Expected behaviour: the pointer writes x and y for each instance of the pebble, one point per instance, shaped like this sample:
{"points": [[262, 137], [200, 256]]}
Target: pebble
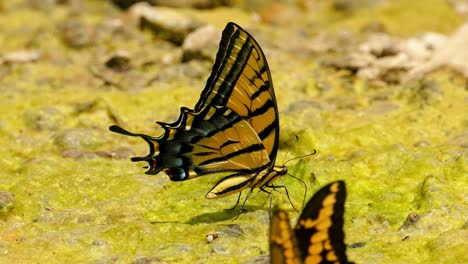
{"points": [[44, 119], [165, 23], [80, 139], [7, 202], [201, 44]]}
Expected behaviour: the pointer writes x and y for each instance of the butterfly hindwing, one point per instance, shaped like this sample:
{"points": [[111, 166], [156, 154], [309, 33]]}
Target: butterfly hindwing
{"points": [[318, 236]]}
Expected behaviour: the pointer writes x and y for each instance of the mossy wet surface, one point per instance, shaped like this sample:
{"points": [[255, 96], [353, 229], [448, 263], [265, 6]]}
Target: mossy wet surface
{"points": [[401, 149]]}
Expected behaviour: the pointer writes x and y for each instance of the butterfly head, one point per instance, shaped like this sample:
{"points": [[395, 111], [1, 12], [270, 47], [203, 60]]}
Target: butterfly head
{"points": [[280, 170]]}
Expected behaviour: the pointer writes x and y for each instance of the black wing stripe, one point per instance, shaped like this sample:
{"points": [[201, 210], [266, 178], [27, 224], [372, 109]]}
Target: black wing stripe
{"points": [[262, 109], [229, 142], [233, 75], [262, 89], [227, 66], [267, 131], [223, 52], [247, 150]]}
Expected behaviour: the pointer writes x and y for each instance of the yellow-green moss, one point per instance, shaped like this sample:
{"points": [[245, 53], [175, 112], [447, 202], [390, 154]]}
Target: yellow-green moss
{"points": [[397, 157]]}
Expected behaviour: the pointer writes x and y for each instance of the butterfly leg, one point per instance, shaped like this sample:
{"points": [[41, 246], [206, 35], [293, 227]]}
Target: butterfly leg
{"points": [[243, 204], [269, 197], [237, 203], [274, 187]]}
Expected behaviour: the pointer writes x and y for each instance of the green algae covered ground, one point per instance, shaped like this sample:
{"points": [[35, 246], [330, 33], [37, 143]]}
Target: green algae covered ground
{"points": [[68, 192]]}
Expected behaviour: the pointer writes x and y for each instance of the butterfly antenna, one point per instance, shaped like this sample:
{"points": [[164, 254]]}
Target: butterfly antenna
{"points": [[303, 183], [289, 150], [300, 157]]}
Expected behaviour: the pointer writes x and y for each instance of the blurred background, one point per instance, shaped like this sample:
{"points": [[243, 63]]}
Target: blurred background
{"points": [[377, 87]]}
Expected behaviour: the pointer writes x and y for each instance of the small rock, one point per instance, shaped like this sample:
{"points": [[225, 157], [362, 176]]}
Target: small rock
{"points": [[449, 246], [382, 107], [44, 119], [258, 260], [118, 153], [220, 249], [344, 5], [124, 4], [146, 260], [433, 40], [232, 230], [168, 249], [374, 27], [277, 13], [76, 34], [380, 45], [120, 62], [416, 49], [424, 92], [341, 41], [421, 144], [433, 194], [165, 23], [460, 6], [193, 3], [357, 154], [77, 154], [460, 140], [20, 56], [302, 105], [352, 62], [212, 236], [99, 242], [201, 44], [410, 220], [453, 53], [357, 245], [7, 202], [193, 69], [43, 5], [80, 139]]}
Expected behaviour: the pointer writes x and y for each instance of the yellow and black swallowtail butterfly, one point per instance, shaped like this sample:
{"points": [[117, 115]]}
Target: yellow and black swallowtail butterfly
{"points": [[318, 236], [233, 128]]}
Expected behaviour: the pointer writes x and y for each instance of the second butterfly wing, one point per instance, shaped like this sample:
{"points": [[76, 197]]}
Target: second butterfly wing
{"points": [[318, 236]]}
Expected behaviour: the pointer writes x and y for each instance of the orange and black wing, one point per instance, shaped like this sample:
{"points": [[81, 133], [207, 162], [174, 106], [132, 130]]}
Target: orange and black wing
{"points": [[318, 237], [319, 230], [234, 126], [283, 248], [240, 80]]}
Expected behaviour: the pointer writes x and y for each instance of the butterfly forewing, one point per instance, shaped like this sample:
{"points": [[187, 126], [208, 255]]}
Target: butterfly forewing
{"points": [[241, 81]]}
